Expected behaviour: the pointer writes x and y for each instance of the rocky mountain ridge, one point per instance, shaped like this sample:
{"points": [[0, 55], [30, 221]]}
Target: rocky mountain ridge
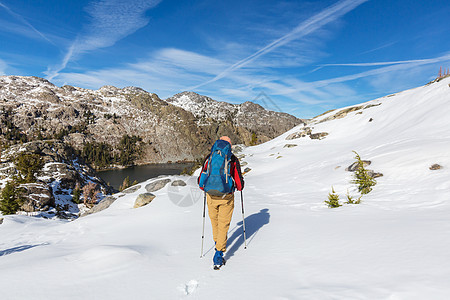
{"points": [[38, 109], [269, 125]]}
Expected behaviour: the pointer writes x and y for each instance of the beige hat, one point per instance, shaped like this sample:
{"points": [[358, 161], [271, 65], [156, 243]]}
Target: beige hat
{"points": [[225, 138]]}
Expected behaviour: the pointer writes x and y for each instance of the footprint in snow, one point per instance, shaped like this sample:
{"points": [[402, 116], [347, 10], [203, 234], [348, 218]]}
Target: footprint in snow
{"points": [[189, 288]]}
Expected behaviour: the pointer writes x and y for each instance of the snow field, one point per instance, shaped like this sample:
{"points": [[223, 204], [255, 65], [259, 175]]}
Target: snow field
{"points": [[394, 245]]}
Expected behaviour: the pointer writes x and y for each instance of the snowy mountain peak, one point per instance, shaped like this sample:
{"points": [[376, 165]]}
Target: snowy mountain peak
{"points": [[248, 114]]}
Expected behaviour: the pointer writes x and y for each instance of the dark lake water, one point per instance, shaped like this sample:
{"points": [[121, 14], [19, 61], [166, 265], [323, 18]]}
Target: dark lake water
{"points": [[141, 173]]}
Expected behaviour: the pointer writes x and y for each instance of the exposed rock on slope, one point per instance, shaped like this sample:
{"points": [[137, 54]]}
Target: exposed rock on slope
{"points": [[35, 109], [54, 182], [248, 115]]}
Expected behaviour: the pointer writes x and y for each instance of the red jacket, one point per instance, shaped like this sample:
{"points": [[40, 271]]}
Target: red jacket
{"points": [[235, 170]]}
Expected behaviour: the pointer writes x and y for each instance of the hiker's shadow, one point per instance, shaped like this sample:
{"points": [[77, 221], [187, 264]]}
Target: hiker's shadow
{"points": [[253, 224], [19, 249]]}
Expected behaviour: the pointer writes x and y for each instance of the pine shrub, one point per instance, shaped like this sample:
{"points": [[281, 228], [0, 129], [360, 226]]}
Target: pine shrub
{"points": [[362, 178], [352, 200], [333, 199], [10, 199], [76, 194], [125, 184], [28, 164]]}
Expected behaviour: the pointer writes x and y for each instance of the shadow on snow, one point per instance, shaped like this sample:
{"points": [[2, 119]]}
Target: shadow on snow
{"points": [[253, 224], [19, 249]]}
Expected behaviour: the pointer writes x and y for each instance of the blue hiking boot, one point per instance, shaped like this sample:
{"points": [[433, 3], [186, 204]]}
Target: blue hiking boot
{"points": [[218, 260]]}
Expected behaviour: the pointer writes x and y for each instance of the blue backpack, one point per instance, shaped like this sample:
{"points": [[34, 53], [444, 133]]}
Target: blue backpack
{"points": [[216, 180]]}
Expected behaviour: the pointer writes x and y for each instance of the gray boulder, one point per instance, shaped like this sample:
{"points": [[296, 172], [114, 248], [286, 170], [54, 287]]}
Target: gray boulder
{"points": [[156, 185], [143, 199], [374, 174], [178, 183], [102, 205], [435, 167], [37, 197], [236, 149], [131, 189], [318, 136], [302, 133]]}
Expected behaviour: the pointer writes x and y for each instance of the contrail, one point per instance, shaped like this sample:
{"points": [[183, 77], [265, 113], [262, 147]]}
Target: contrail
{"points": [[22, 19], [111, 21], [310, 25], [376, 64]]}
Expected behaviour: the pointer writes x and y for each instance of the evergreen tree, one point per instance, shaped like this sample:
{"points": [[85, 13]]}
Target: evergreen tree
{"points": [[129, 149], [352, 200], [333, 199], [362, 177], [28, 164], [76, 194], [254, 139], [10, 199], [125, 184]]}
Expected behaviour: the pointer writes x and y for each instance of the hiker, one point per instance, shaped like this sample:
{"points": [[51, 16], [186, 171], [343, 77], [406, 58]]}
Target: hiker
{"points": [[220, 177]]}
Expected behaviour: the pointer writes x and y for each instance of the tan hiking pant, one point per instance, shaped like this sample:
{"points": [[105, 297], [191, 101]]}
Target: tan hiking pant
{"points": [[220, 211]]}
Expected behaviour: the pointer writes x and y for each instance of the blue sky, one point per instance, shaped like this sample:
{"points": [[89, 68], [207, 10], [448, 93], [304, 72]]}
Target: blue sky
{"points": [[305, 56]]}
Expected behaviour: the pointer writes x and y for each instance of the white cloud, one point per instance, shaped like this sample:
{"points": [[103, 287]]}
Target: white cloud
{"points": [[169, 71], [371, 64], [22, 20], [167, 59], [3, 67], [110, 21], [306, 27]]}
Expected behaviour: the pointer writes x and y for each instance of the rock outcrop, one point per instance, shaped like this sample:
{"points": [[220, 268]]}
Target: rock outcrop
{"points": [[54, 181], [143, 199], [246, 118]]}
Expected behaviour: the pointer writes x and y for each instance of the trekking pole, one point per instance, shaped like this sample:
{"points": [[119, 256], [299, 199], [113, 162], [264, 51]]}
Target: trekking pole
{"points": [[203, 232], [243, 220]]}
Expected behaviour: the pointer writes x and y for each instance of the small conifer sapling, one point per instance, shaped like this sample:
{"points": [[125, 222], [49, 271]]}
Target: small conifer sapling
{"points": [[333, 199]]}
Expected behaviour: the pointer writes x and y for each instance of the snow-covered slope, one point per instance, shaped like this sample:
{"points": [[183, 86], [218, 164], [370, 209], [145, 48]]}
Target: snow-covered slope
{"points": [[394, 245]]}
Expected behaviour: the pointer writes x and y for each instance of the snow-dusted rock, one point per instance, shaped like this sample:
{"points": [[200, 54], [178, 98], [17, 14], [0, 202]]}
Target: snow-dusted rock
{"points": [[102, 205], [178, 183], [299, 134], [156, 185], [37, 197], [290, 145], [143, 199], [56, 179], [131, 189], [435, 167], [249, 115], [318, 135], [374, 174], [354, 166]]}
